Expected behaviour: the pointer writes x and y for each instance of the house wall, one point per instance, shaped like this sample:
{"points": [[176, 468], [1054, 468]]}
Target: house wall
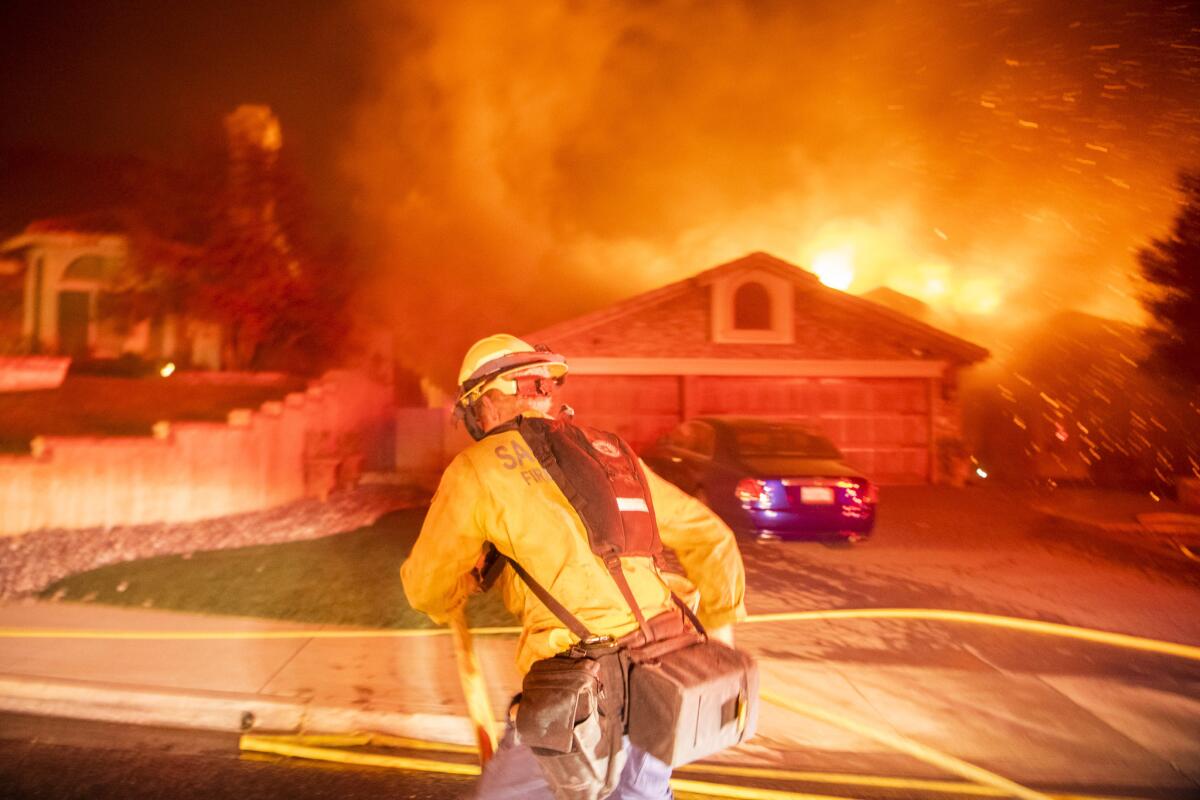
{"points": [[27, 373], [45, 267], [188, 471], [427, 439]]}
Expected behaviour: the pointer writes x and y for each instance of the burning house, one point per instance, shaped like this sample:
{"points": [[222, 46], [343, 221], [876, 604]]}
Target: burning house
{"points": [[761, 336]]}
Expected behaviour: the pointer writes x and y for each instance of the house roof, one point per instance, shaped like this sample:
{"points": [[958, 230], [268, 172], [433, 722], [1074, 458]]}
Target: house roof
{"points": [[833, 307], [897, 301], [60, 232]]}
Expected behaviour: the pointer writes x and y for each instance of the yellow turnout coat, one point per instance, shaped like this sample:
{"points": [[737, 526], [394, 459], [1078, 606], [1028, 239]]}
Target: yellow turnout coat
{"points": [[495, 491]]}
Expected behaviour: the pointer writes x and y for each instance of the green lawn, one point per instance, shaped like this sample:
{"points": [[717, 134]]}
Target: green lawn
{"points": [[88, 405], [348, 579]]}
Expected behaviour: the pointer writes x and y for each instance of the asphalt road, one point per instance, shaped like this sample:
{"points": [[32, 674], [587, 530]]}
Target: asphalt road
{"points": [[49, 759]]}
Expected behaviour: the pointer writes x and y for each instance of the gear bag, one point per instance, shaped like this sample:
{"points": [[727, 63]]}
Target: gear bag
{"points": [[682, 696]]}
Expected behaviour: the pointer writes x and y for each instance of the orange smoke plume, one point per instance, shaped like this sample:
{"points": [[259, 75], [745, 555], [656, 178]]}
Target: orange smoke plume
{"points": [[518, 164]]}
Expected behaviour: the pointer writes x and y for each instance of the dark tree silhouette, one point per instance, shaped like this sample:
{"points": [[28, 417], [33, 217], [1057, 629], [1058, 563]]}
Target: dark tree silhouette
{"points": [[1171, 266]]}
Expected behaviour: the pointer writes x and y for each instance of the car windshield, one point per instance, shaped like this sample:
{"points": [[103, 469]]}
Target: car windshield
{"points": [[782, 440]]}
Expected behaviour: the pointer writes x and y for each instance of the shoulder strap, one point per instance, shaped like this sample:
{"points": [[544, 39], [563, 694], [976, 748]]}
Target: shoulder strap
{"points": [[613, 562], [691, 615], [578, 628], [558, 609]]}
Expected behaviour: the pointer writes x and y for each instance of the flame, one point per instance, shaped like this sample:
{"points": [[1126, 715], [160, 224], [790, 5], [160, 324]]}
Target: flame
{"points": [[835, 268], [978, 296]]}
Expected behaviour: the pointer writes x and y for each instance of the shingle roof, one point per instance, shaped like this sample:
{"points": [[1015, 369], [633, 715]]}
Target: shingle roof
{"points": [[677, 312]]}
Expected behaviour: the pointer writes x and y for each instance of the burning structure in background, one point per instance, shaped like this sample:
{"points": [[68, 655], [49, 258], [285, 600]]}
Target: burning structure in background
{"points": [[995, 160], [1067, 402]]}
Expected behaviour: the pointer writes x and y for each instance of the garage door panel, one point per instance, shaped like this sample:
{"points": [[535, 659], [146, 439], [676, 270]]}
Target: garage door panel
{"points": [[861, 459]]}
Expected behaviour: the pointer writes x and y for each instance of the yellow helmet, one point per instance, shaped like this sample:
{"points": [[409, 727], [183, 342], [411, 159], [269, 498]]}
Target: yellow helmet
{"points": [[498, 361]]}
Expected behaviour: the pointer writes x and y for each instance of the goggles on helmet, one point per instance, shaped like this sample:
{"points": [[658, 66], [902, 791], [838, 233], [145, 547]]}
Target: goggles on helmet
{"points": [[507, 367]]}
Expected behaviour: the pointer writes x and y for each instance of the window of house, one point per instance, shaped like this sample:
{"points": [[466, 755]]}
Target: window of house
{"points": [[752, 307], [89, 268]]}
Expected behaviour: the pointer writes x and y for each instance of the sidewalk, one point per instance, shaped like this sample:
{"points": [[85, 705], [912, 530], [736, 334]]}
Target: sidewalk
{"points": [[1059, 730]]}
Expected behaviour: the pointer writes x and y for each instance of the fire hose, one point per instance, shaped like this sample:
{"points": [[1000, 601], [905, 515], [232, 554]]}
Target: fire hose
{"points": [[980, 782]]}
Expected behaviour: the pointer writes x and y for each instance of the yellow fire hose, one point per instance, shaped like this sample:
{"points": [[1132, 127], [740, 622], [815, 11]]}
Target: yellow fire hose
{"points": [[1123, 640], [325, 747], [994, 620]]}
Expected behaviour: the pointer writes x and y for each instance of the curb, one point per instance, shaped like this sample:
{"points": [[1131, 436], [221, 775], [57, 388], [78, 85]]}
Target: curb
{"points": [[1092, 524], [215, 711], [1169, 547]]}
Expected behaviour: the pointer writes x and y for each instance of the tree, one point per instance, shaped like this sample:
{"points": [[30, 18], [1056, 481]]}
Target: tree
{"points": [[1171, 266], [278, 288]]}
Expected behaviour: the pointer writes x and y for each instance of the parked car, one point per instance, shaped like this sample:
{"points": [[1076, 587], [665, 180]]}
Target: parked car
{"points": [[770, 478]]}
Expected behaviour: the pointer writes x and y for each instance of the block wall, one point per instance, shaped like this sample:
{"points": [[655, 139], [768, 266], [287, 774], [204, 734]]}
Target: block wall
{"points": [[189, 471]]}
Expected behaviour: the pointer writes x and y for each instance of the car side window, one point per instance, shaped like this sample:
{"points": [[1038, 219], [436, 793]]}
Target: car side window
{"points": [[678, 438], [695, 437], [704, 440]]}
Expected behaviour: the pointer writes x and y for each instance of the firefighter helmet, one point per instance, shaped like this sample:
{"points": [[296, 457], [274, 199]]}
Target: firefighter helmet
{"points": [[508, 365]]}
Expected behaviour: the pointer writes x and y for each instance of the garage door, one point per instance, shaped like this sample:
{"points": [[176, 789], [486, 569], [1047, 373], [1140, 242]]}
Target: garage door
{"points": [[638, 408], [881, 424]]}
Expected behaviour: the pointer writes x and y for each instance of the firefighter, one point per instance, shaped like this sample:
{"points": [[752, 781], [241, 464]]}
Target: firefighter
{"points": [[496, 494]]}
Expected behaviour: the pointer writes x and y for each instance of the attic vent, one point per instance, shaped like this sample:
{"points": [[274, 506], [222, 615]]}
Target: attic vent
{"points": [[752, 307]]}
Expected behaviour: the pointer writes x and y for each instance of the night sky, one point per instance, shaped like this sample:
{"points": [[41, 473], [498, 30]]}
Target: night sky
{"points": [[153, 79], [510, 164]]}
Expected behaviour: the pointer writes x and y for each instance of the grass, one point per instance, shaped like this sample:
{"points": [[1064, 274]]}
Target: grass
{"points": [[348, 579], [87, 405]]}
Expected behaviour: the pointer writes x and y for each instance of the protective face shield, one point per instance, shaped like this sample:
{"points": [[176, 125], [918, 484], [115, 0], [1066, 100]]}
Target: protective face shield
{"points": [[508, 365]]}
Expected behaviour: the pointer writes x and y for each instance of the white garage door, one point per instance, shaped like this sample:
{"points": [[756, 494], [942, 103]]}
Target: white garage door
{"points": [[881, 424]]}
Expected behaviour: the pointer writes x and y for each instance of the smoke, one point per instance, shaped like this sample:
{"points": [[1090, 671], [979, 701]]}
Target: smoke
{"points": [[517, 164]]}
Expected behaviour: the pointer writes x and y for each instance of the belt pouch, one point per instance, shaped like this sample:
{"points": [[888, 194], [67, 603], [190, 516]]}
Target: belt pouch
{"points": [[558, 695], [570, 716]]}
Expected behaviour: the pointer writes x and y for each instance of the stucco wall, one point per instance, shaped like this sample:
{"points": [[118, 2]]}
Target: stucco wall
{"points": [[195, 470], [27, 373]]}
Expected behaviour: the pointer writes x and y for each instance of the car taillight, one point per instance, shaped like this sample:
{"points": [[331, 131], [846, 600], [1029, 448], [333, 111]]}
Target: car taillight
{"points": [[859, 491], [760, 493]]}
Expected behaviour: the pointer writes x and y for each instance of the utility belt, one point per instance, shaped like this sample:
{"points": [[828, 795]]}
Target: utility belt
{"points": [[678, 695]]}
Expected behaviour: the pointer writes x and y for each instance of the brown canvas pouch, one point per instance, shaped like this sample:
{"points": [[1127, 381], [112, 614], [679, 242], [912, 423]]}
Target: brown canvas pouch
{"points": [[557, 695], [570, 715]]}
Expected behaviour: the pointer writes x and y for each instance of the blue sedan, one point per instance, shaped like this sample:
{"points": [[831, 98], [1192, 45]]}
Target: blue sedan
{"points": [[769, 478]]}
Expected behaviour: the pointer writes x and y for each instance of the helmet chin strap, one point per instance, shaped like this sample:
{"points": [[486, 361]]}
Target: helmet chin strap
{"points": [[470, 420]]}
